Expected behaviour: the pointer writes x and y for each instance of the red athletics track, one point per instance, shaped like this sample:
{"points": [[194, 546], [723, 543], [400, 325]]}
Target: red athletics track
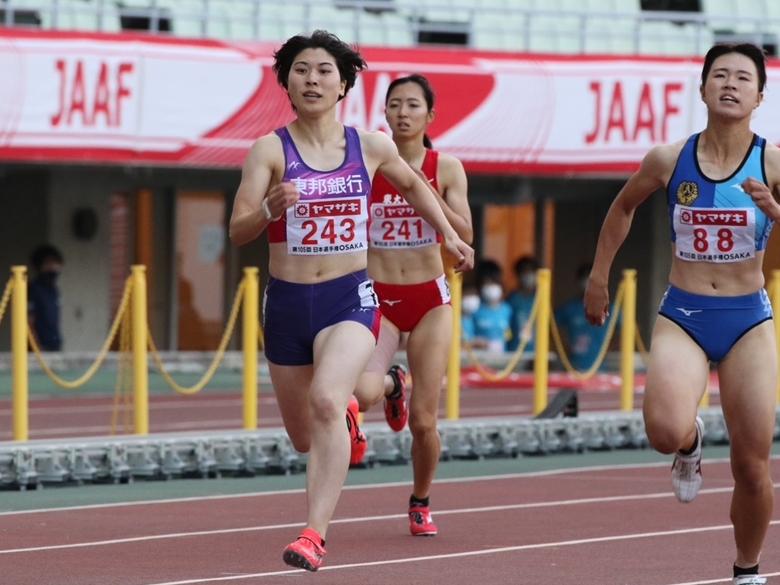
{"points": [[600, 525], [90, 415]]}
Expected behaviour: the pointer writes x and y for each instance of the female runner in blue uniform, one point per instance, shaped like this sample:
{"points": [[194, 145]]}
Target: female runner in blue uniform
{"points": [[307, 185], [722, 187]]}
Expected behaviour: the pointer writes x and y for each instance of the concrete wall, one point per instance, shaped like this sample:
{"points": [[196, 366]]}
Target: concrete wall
{"points": [[38, 205], [83, 282]]}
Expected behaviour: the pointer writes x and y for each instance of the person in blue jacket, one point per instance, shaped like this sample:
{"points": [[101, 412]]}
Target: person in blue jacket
{"points": [[43, 297], [582, 340], [492, 320]]}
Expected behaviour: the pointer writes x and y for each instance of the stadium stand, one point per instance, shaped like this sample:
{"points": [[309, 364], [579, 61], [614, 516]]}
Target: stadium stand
{"points": [[550, 26]]}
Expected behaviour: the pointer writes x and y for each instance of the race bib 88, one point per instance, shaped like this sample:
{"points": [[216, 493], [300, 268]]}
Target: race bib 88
{"points": [[715, 235]]}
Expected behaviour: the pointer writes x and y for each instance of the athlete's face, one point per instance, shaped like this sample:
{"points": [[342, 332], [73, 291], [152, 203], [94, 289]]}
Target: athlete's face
{"points": [[314, 82], [731, 87], [407, 111]]}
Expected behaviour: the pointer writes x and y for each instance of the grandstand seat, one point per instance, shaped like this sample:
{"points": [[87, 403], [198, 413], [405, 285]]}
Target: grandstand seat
{"points": [[396, 31], [556, 34], [659, 37], [752, 8], [569, 26], [608, 6], [499, 31], [277, 22], [139, 14], [328, 17], [604, 36], [756, 21], [26, 13], [506, 5], [719, 13], [773, 9], [369, 27], [750, 15], [236, 19], [82, 15], [719, 7]]}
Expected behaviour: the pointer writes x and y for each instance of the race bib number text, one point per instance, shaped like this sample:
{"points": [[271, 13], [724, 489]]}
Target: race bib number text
{"points": [[327, 226], [399, 226], [715, 235]]}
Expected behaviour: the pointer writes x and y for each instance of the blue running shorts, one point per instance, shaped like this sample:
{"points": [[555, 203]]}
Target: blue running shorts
{"points": [[294, 313], [715, 323]]}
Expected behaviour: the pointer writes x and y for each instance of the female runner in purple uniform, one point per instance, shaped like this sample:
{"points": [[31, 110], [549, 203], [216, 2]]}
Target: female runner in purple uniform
{"points": [[307, 185]]}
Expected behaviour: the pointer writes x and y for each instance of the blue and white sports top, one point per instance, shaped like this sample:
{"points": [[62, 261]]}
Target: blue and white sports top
{"points": [[716, 221]]}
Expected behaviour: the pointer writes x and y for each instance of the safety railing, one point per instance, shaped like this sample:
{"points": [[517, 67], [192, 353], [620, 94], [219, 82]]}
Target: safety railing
{"points": [[130, 328], [542, 318], [630, 340]]}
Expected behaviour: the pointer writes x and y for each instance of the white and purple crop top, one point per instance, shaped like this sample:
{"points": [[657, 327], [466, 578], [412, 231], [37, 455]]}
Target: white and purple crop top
{"points": [[331, 216]]}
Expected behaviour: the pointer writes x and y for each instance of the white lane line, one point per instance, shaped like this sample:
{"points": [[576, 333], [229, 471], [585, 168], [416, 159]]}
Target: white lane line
{"points": [[726, 580], [471, 479], [474, 553], [480, 510]]}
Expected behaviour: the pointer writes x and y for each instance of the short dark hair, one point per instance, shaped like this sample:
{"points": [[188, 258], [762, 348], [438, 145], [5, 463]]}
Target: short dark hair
{"points": [[43, 253], [526, 262], [749, 50], [487, 270], [348, 59]]}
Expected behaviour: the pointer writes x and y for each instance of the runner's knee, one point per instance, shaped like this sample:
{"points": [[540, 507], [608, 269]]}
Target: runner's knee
{"points": [[325, 409], [666, 437], [750, 473], [421, 423], [300, 443]]}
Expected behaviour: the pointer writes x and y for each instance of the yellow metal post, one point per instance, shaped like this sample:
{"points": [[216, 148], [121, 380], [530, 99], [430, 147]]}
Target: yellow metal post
{"points": [[628, 340], [249, 345], [542, 342], [452, 396], [705, 398], [774, 287], [139, 332], [19, 377]]}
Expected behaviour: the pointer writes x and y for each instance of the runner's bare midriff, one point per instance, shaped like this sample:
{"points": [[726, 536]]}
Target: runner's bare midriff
{"points": [[416, 265], [314, 268], [718, 279]]}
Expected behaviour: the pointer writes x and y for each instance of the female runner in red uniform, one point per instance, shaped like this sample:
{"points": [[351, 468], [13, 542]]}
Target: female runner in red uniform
{"points": [[405, 264]]}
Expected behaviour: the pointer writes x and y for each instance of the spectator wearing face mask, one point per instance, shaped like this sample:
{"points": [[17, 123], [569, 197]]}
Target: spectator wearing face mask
{"points": [[43, 297], [521, 300], [582, 340], [492, 320]]}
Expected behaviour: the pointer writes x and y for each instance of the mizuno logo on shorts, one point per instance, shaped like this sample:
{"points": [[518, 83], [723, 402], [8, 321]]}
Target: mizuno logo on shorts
{"points": [[688, 312], [391, 303]]}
